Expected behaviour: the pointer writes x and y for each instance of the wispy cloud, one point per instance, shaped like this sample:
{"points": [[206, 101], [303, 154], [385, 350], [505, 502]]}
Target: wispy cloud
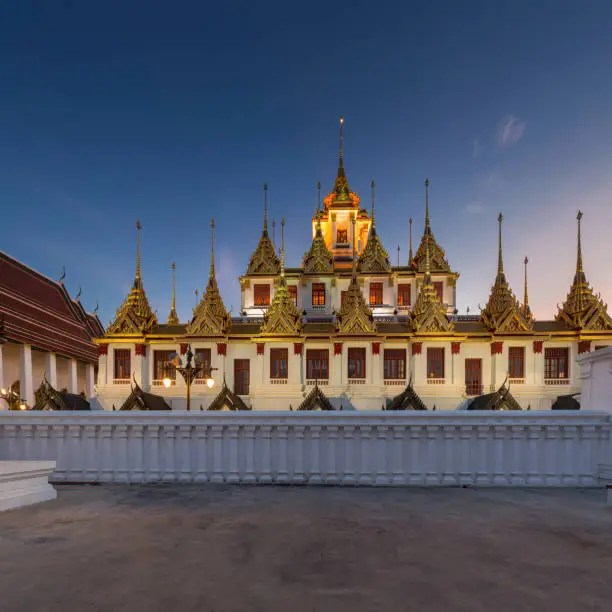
{"points": [[510, 131], [475, 208], [477, 148]]}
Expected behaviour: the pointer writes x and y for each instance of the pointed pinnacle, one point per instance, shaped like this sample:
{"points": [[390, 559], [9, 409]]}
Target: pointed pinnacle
{"points": [[500, 261]]}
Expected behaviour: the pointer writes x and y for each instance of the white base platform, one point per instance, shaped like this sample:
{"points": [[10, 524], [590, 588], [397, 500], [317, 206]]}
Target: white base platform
{"points": [[25, 482]]}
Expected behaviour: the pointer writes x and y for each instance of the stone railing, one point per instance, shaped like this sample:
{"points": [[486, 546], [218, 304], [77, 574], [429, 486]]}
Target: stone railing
{"points": [[367, 448]]}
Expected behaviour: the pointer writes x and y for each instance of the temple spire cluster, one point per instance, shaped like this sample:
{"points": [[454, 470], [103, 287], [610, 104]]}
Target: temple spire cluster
{"points": [[503, 313], [582, 309]]}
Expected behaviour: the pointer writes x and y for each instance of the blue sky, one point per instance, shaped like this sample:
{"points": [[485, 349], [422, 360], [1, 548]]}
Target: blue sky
{"points": [[172, 113]]}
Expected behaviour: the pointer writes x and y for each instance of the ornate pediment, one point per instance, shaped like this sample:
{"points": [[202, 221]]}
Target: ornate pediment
{"points": [[583, 309], [282, 317], [316, 400], [355, 317], [227, 400]]}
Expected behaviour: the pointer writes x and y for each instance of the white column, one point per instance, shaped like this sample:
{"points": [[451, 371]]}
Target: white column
{"points": [[3, 404], [89, 380], [102, 368], [25, 374], [51, 369], [72, 377]]}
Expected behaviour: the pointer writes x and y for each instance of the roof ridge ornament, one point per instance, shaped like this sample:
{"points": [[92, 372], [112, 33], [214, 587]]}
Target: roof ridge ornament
{"points": [[374, 258], [134, 316], [355, 317], [503, 313], [210, 318], [583, 309], [319, 259], [264, 259], [437, 255]]}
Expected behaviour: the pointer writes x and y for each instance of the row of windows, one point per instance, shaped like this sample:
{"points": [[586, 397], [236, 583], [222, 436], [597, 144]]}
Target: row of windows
{"points": [[556, 364], [261, 294]]}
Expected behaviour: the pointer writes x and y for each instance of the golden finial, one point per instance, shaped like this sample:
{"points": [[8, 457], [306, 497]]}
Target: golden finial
{"points": [[398, 255], [197, 294], [212, 247], [283, 247], [274, 232], [500, 261], [173, 316], [353, 221], [410, 251], [138, 228], [318, 197], [579, 269], [427, 278], [373, 186], [265, 208], [526, 298], [427, 224], [341, 156]]}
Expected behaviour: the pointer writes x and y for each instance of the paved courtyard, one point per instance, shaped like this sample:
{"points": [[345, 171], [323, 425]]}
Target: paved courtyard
{"points": [[217, 548]]}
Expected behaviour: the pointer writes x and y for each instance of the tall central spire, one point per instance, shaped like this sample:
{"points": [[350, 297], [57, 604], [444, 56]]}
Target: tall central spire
{"points": [[427, 222], [526, 297], [580, 276], [282, 270], [373, 186], [341, 150], [410, 251], [500, 259], [265, 227], [173, 316], [138, 276]]}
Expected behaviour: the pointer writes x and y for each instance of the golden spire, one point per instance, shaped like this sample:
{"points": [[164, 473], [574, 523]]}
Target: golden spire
{"points": [[355, 317], [503, 313], [526, 308], [283, 317], [410, 251], [429, 314], [173, 316], [210, 318], [134, 316], [264, 259], [582, 309], [318, 260], [374, 258], [438, 258]]}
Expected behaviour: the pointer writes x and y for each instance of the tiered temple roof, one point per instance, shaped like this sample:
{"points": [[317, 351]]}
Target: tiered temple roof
{"points": [[374, 258], [264, 259], [319, 259], [503, 313]]}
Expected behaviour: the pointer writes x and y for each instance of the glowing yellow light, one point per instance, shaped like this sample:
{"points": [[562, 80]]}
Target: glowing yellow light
{"points": [[341, 119], [22, 406], [3, 391], [167, 382], [210, 382]]}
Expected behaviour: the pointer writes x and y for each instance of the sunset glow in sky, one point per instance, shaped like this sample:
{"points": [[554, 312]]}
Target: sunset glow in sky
{"points": [[173, 113]]}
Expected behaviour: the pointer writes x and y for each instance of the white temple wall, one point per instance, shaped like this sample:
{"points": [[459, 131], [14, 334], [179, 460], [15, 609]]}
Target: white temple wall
{"points": [[596, 376]]}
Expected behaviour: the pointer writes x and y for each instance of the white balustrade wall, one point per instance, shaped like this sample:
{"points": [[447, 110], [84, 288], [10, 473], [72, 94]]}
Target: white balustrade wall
{"points": [[361, 448]]}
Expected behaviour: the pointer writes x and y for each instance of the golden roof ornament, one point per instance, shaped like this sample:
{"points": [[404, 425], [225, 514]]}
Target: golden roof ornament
{"points": [[210, 317], [429, 314], [374, 258], [437, 256], [341, 195], [355, 317], [582, 309], [172, 315], [264, 260], [503, 313], [526, 309], [319, 259], [282, 317], [134, 316]]}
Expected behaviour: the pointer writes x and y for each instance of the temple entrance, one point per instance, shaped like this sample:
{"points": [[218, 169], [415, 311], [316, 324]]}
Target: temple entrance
{"points": [[473, 376]]}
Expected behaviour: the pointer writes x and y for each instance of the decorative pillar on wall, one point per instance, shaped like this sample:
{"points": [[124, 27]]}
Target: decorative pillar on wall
{"points": [[51, 369], [102, 363], [73, 385], [497, 349], [140, 365], [455, 350], [417, 368], [538, 362], [25, 374], [89, 380], [339, 375]]}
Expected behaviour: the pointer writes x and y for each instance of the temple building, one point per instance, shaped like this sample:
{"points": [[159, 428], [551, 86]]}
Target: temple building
{"points": [[348, 330], [48, 359]]}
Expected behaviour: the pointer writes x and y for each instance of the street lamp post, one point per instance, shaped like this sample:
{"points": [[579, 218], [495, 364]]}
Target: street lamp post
{"points": [[190, 371]]}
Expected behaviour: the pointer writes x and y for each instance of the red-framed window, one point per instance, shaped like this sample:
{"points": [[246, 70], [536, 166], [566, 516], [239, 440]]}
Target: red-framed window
{"points": [[394, 362], [376, 294], [356, 362], [318, 294], [203, 357], [279, 362], [261, 294], [162, 368], [293, 293], [556, 363], [473, 377], [404, 295], [516, 362], [317, 364], [123, 363], [439, 287], [435, 362], [242, 372]]}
